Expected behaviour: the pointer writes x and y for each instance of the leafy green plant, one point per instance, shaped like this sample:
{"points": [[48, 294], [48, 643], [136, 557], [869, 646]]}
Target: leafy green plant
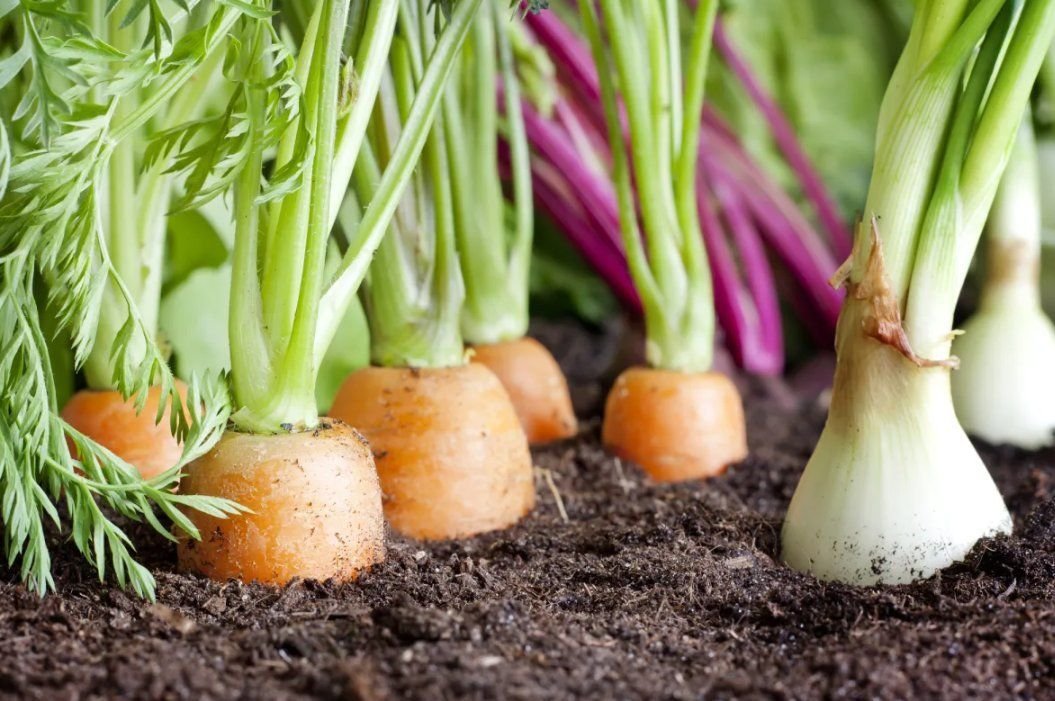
{"points": [[68, 225]]}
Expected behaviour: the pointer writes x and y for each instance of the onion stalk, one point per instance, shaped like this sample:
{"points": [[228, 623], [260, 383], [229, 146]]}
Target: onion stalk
{"points": [[894, 490]]}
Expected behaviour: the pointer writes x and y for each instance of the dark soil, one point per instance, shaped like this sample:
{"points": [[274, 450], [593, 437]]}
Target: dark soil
{"points": [[612, 589]]}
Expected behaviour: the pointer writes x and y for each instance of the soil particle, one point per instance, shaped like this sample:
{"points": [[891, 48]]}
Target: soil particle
{"points": [[627, 590]]}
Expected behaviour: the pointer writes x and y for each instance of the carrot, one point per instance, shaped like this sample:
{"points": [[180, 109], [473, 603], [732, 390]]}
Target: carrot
{"points": [[451, 455], [110, 420], [536, 386], [676, 425], [315, 507]]}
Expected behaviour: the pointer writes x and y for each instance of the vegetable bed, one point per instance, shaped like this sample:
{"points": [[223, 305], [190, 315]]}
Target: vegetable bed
{"points": [[643, 591]]}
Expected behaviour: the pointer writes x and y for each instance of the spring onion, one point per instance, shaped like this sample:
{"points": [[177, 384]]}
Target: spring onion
{"points": [[1003, 389], [894, 490]]}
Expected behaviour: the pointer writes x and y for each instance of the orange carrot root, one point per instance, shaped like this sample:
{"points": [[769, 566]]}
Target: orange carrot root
{"points": [[315, 502], [677, 426], [110, 420], [536, 386], [451, 454]]}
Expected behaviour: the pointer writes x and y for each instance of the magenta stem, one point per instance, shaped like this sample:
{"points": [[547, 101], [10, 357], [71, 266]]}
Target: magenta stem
{"points": [[788, 143], [762, 299]]}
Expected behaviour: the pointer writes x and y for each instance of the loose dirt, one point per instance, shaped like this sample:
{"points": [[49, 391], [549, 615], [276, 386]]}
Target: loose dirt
{"points": [[613, 588]]}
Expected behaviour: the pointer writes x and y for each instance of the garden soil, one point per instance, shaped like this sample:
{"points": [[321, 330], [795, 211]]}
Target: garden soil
{"points": [[614, 588]]}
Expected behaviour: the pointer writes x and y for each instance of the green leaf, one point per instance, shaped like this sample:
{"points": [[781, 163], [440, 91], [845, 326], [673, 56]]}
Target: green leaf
{"points": [[802, 52], [10, 66], [6, 6], [562, 284], [54, 271], [194, 320], [192, 243], [250, 9], [5, 158]]}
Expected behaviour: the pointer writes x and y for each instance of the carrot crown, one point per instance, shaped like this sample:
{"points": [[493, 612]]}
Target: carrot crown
{"points": [[637, 48], [416, 294], [314, 114], [494, 235]]}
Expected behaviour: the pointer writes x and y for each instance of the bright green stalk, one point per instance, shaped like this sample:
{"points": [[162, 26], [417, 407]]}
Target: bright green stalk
{"points": [[251, 358], [123, 236], [65, 228], [663, 113], [137, 202], [944, 253], [414, 293], [699, 316], [911, 131], [136, 243], [520, 165], [288, 395], [372, 48], [282, 315], [382, 206], [495, 260]]}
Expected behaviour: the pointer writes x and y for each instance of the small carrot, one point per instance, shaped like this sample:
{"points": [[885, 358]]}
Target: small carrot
{"points": [[676, 425], [677, 418], [494, 225], [451, 454], [110, 420], [536, 386], [314, 501]]}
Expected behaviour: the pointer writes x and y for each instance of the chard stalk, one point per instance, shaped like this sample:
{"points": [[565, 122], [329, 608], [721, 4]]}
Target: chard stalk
{"points": [[784, 135], [573, 177]]}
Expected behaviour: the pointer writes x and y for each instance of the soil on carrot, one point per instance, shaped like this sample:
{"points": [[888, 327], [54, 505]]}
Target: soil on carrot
{"points": [[612, 589]]}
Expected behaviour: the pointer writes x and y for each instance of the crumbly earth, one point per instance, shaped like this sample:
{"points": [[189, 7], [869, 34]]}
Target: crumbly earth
{"points": [[612, 589]]}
